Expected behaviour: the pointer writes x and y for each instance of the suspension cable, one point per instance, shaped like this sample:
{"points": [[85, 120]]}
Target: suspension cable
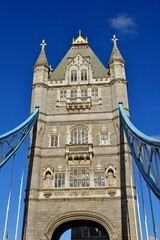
{"points": [[20, 193], [132, 193], [154, 227], [9, 197], [139, 216], [144, 212]]}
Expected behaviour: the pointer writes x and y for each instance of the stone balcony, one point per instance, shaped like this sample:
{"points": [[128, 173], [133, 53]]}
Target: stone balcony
{"points": [[78, 103], [79, 154]]}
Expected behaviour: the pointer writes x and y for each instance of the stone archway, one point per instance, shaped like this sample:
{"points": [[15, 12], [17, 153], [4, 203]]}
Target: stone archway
{"points": [[80, 216]]}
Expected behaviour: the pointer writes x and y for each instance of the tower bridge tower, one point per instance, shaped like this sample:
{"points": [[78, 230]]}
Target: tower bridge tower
{"points": [[78, 173]]}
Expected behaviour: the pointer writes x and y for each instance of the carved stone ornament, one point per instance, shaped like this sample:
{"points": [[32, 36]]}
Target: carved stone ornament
{"points": [[48, 181], [50, 170], [54, 130], [111, 179], [112, 167], [99, 166], [104, 128]]}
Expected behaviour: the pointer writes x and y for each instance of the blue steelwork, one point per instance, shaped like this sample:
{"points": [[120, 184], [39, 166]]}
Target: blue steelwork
{"points": [[145, 151], [12, 140]]}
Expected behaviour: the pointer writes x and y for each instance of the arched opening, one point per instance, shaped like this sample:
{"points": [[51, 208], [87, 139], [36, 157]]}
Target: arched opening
{"points": [[81, 230]]}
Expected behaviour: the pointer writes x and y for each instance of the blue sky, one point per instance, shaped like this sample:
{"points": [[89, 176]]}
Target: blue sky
{"points": [[23, 25]]}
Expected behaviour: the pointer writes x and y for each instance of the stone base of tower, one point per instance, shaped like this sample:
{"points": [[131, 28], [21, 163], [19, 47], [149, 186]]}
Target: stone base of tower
{"points": [[46, 215]]}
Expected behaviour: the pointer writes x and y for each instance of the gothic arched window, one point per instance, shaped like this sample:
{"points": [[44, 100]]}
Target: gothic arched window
{"points": [[75, 76], [83, 75], [79, 135], [72, 76]]}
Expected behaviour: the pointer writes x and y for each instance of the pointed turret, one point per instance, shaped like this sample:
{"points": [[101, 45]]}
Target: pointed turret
{"points": [[116, 62], [118, 78], [40, 81], [115, 56], [42, 60]]}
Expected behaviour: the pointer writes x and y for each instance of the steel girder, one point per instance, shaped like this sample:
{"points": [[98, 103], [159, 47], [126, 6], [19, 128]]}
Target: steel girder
{"points": [[145, 151], [12, 140]]}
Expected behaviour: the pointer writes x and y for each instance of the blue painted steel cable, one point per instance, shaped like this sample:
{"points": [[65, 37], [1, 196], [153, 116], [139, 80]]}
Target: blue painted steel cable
{"points": [[154, 143], [29, 123]]}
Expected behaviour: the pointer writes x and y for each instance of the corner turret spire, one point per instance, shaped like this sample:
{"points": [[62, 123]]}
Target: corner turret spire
{"points": [[115, 56], [42, 60]]}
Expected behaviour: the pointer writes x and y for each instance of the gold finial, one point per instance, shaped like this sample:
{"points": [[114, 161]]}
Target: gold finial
{"points": [[43, 44], [80, 39], [114, 39]]}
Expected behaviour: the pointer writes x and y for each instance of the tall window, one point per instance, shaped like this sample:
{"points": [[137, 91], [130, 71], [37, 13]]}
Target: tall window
{"points": [[104, 139], [83, 75], [79, 177], [59, 180], [54, 141], [99, 179], [79, 136], [73, 76], [73, 93], [62, 95], [84, 93], [94, 93]]}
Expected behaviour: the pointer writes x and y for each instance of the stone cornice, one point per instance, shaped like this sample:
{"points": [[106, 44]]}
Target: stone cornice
{"points": [[44, 85], [118, 80], [78, 85]]}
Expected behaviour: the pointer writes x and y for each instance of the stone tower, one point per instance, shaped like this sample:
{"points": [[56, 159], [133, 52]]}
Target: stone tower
{"points": [[78, 173]]}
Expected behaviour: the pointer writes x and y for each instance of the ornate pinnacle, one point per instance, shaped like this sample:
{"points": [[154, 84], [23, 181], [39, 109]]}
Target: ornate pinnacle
{"points": [[43, 44], [50, 68], [80, 39]]}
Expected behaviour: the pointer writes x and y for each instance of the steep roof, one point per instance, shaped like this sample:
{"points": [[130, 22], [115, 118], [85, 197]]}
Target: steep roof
{"points": [[99, 71]]}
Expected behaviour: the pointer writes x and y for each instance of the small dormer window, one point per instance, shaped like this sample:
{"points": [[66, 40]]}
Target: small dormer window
{"points": [[73, 76], [83, 75]]}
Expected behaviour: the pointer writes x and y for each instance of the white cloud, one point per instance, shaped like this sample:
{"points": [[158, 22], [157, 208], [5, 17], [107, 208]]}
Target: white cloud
{"points": [[123, 24]]}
